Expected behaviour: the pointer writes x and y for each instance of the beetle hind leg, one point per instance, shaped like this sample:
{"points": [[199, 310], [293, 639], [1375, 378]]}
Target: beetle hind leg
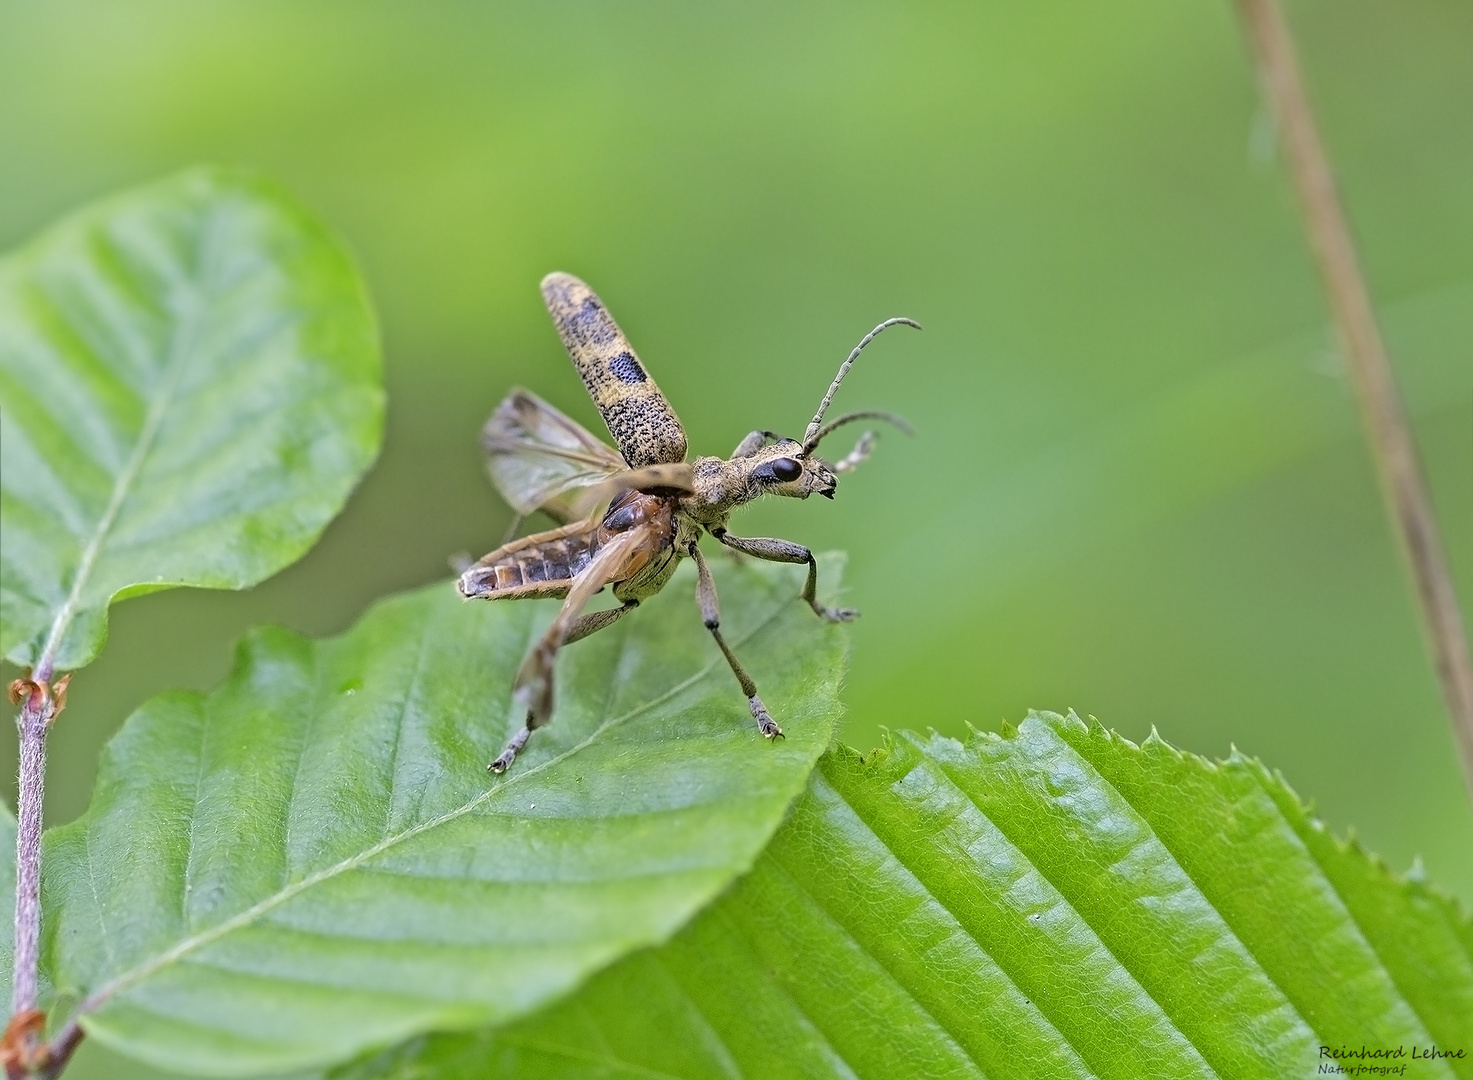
{"points": [[513, 748], [711, 615], [765, 723], [535, 679]]}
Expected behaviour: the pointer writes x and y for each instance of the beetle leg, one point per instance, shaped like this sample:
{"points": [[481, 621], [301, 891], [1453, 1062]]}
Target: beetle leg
{"points": [[586, 625], [592, 624], [785, 551], [750, 445], [534, 683], [711, 614], [513, 747], [511, 530]]}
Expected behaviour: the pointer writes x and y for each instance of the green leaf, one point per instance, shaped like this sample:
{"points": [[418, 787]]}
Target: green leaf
{"points": [[1052, 902], [313, 859], [189, 388]]}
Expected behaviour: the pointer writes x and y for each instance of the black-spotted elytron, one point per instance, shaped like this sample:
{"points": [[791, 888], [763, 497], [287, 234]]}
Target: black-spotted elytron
{"points": [[627, 518]]}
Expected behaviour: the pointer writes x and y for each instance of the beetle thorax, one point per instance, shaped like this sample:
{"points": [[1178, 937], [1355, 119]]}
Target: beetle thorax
{"points": [[783, 468], [720, 487]]}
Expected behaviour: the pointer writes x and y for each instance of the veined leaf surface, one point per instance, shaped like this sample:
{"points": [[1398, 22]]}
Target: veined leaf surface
{"points": [[313, 859], [189, 388], [1052, 902]]}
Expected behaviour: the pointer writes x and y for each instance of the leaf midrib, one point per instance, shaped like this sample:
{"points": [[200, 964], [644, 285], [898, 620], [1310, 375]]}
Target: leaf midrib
{"points": [[179, 348], [127, 979]]}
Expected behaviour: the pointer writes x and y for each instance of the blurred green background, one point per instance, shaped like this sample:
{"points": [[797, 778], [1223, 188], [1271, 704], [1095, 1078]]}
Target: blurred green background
{"points": [[1138, 486]]}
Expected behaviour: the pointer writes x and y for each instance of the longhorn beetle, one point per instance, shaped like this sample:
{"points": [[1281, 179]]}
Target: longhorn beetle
{"points": [[655, 506]]}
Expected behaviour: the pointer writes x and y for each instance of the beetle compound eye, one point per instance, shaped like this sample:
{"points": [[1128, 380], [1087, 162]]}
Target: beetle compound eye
{"points": [[785, 469]]}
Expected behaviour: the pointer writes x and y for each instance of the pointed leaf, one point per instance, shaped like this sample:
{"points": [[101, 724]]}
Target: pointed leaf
{"points": [[189, 388], [1054, 902], [313, 859]]}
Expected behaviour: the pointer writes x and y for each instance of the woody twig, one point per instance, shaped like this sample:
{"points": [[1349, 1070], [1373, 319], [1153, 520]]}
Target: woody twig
{"points": [[41, 701]]}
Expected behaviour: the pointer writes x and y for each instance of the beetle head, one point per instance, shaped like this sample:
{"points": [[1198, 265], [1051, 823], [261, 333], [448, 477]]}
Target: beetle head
{"points": [[785, 467], [769, 464]]}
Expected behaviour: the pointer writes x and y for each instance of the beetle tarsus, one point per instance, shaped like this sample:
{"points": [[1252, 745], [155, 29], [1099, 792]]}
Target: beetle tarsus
{"points": [[836, 614], [513, 748], [765, 723]]}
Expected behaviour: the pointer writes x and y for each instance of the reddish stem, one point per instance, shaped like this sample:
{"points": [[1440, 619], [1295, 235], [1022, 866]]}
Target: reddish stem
{"points": [[39, 707]]}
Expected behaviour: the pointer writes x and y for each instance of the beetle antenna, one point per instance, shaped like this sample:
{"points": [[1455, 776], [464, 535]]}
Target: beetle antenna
{"points": [[810, 437], [849, 418]]}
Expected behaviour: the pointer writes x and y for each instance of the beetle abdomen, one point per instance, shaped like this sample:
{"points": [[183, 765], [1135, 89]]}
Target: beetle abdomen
{"points": [[543, 564]]}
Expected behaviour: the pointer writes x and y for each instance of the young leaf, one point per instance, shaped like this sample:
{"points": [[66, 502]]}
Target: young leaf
{"points": [[189, 388], [1052, 902], [313, 859]]}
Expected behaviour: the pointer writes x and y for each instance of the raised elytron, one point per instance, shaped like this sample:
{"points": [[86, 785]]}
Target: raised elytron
{"points": [[626, 519]]}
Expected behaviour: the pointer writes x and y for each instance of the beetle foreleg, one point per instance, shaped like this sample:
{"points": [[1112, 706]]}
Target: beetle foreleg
{"points": [[785, 551], [711, 615]]}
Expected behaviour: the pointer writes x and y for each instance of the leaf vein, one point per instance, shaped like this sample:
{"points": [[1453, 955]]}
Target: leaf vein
{"points": [[1064, 895], [175, 363], [107, 938], [1366, 939], [199, 773], [573, 1053], [410, 689], [189, 944], [880, 961], [728, 1062]]}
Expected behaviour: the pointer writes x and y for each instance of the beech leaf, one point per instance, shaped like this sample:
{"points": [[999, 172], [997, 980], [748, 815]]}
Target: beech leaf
{"points": [[189, 389], [312, 859], [1051, 902]]}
